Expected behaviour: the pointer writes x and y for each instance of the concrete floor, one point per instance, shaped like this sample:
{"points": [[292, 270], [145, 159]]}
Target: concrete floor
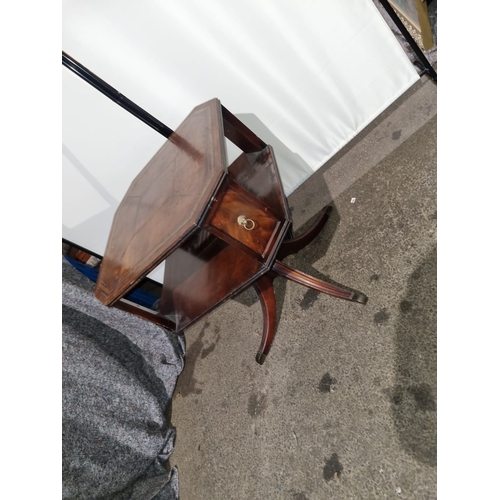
{"points": [[345, 405]]}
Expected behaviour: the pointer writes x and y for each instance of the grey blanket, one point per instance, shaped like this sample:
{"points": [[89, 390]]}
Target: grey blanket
{"points": [[119, 375]]}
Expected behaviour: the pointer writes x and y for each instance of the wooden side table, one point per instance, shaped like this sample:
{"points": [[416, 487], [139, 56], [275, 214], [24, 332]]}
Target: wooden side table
{"points": [[218, 229]]}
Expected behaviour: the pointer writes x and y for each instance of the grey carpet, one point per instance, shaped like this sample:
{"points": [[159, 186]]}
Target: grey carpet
{"points": [[119, 375]]}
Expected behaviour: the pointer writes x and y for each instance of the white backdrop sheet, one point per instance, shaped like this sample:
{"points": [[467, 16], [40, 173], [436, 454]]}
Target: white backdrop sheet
{"points": [[305, 76]]}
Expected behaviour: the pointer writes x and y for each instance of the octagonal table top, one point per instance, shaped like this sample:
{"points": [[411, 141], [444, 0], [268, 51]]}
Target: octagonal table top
{"points": [[165, 202]]}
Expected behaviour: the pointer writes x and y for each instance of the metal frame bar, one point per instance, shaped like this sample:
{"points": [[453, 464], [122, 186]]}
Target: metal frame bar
{"points": [[428, 69], [121, 100], [114, 95]]}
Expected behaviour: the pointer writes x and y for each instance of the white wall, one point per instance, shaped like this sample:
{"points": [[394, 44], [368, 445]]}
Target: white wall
{"points": [[305, 76]]}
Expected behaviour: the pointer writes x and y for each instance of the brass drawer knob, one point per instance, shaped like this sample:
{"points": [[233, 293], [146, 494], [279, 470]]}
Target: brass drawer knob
{"points": [[248, 224]]}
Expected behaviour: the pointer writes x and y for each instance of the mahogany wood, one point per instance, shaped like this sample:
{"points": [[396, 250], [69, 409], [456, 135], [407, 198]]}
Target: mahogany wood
{"points": [[196, 282], [234, 205], [238, 133], [164, 202], [265, 291], [182, 209], [258, 174], [293, 245], [297, 276], [144, 313]]}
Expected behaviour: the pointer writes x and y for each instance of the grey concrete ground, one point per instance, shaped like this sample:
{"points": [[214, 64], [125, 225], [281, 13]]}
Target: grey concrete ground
{"points": [[345, 405]]}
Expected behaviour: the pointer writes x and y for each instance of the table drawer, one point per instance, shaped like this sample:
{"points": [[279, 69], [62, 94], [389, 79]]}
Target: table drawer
{"points": [[239, 217]]}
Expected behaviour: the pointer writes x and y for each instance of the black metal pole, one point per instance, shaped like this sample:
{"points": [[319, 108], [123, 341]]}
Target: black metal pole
{"points": [[413, 44], [114, 95]]}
